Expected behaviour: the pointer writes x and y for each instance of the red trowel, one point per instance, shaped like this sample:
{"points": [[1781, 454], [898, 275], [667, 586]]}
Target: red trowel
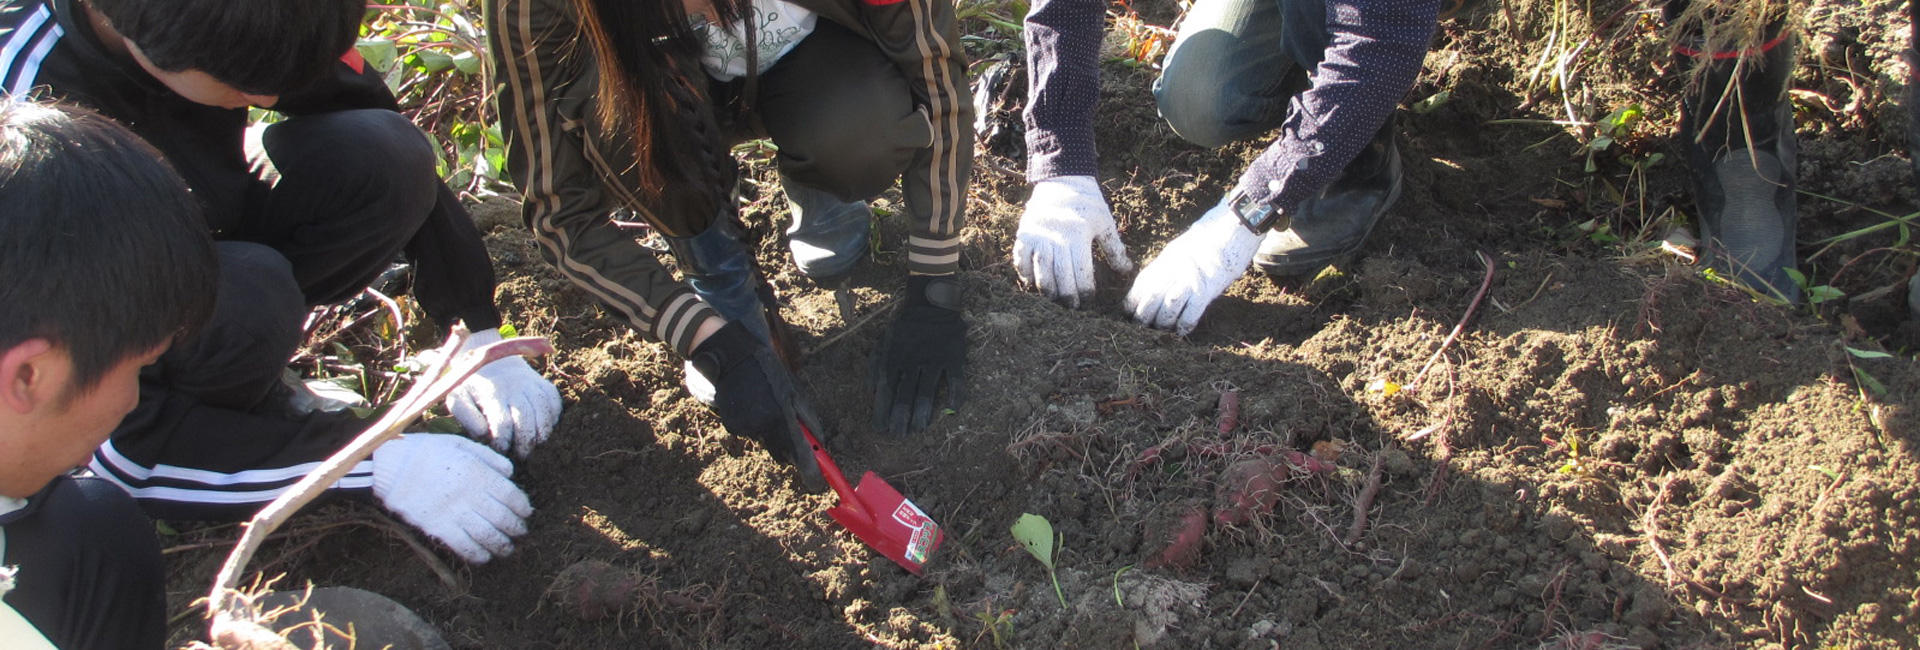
{"points": [[878, 515]]}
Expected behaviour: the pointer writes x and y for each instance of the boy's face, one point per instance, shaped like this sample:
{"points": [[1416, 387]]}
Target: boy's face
{"points": [[200, 87], [67, 423]]}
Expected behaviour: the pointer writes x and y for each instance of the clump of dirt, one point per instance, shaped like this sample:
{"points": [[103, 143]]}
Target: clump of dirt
{"points": [[1614, 453]]}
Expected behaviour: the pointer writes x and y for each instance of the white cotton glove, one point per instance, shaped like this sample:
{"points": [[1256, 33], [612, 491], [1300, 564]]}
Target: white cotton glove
{"points": [[506, 402], [701, 388], [1053, 250], [1191, 271], [454, 490]]}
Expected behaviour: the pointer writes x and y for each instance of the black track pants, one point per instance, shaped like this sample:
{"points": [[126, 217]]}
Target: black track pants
{"points": [[90, 575]]}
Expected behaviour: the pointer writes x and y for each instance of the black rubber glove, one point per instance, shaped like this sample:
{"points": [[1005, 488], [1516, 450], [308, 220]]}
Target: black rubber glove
{"points": [[755, 398], [925, 346]]}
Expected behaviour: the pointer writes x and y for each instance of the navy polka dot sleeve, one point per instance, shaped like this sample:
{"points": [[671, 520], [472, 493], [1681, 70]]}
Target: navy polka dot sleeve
{"points": [[1374, 52], [1063, 83]]}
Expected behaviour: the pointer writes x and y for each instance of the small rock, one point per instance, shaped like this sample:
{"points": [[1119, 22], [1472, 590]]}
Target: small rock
{"points": [[1245, 572], [1397, 462], [1299, 609], [1642, 637], [1650, 608], [1913, 297], [1122, 539], [1467, 571], [694, 522], [377, 621], [1558, 526], [1003, 322], [895, 591]]}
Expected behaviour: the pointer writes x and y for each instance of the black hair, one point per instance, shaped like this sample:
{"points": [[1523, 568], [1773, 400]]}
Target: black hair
{"points": [[651, 85], [102, 250], [260, 47]]}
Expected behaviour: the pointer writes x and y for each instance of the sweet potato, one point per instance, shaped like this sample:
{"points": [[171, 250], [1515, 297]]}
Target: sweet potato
{"points": [[1249, 487], [1252, 486], [1147, 459], [1229, 417], [1183, 541], [1306, 463], [592, 590]]}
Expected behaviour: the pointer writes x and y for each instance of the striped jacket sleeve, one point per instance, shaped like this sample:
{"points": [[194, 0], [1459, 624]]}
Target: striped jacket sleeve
{"points": [[28, 33], [923, 40], [544, 89], [233, 464]]}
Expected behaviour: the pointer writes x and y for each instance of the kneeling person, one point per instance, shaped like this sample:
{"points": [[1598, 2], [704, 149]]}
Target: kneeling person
{"points": [[107, 265], [307, 211]]}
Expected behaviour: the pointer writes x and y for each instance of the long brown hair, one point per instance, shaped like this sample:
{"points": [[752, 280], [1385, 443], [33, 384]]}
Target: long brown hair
{"points": [[651, 85]]}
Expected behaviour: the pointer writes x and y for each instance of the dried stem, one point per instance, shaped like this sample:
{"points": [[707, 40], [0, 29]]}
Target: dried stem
{"points": [[225, 605], [1650, 527], [1365, 502], [1485, 283], [853, 328]]}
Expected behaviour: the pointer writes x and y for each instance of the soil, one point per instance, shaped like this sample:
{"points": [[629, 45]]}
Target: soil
{"points": [[1614, 453]]}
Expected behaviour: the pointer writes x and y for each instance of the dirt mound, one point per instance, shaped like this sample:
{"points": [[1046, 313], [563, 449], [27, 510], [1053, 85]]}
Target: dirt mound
{"points": [[1614, 453]]}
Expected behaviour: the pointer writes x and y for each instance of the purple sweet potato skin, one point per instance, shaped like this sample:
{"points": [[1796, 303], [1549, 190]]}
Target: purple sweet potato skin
{"points": [[1249, 487], [592, 590], [1182, 541]]}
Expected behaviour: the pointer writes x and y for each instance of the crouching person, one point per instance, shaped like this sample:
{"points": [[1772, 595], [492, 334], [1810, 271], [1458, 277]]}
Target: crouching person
{"points": [[306, 211], [106, 266]]}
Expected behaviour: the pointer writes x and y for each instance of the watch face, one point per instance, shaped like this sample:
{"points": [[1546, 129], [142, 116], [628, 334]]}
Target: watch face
{"points": [[1252, 214]]}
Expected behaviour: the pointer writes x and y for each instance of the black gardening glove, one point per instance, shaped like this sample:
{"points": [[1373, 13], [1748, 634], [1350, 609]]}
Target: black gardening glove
{"points": [[925, 346], [755, 398]]}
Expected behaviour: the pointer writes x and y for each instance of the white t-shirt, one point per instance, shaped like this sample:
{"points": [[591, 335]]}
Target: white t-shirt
{"points": [[780, 25]]}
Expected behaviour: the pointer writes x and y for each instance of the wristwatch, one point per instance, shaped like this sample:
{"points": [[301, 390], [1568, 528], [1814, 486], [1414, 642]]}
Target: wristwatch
{"points": [[1257, 216]]}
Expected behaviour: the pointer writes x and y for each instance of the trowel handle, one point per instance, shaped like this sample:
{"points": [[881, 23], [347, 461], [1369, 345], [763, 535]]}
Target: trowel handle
{"points": [[832, 471]]}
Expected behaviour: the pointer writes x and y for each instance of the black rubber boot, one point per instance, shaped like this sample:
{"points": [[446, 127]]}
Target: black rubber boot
{"points": [[1329, 227], [1738, 130]]}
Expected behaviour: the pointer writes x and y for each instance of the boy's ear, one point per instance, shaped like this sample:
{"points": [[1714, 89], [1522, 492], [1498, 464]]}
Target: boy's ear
{"points": [[24, 373]]}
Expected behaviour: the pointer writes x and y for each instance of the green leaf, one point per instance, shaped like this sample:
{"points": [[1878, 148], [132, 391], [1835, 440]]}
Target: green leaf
{"points": [[379, 52], [1823, 293], [1036, 533], [467, 62], [434, 61], [1620, 122], [507, 331], [1867, 354], [441, 425], [1868, 382], [1433, 101], [496, 159]]}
